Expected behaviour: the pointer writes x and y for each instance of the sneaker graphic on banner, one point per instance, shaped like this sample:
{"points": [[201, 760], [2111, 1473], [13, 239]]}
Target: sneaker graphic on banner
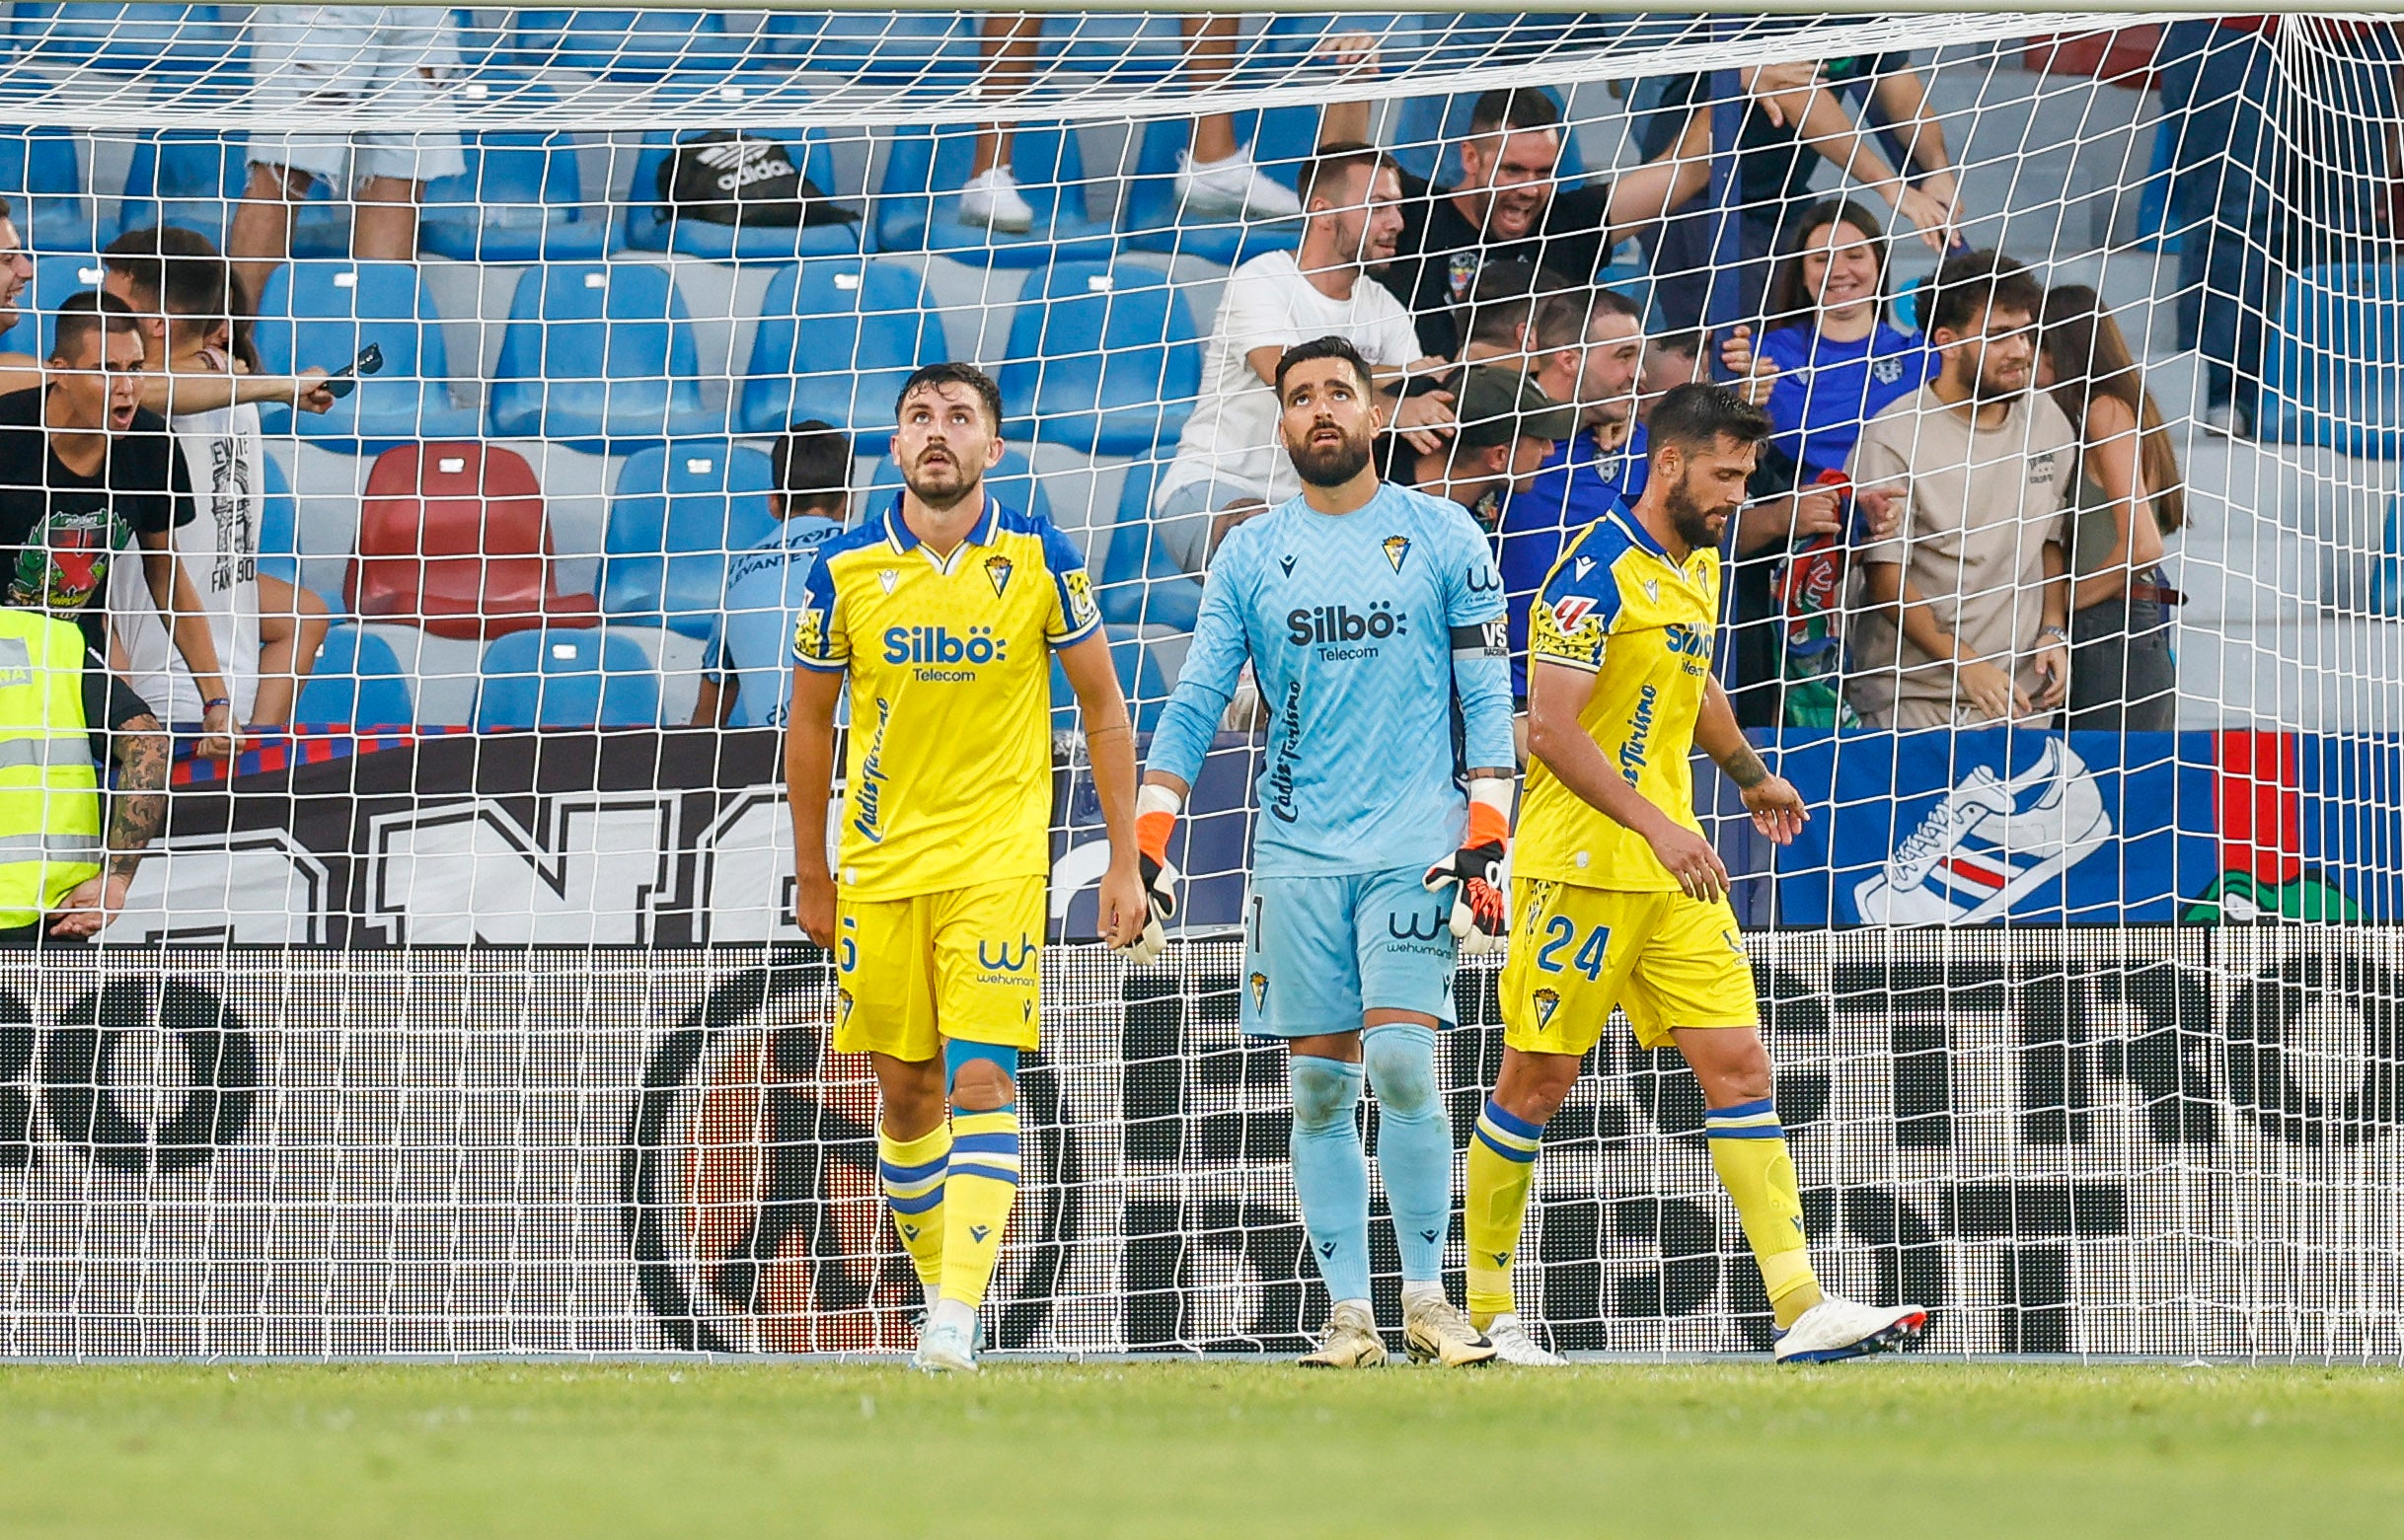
{"points": [[1990, 844]]}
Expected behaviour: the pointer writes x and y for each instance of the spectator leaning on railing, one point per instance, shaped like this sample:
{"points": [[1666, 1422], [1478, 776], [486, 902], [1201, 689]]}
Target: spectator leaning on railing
{"points": [[1966, 603], [1229, 464]]}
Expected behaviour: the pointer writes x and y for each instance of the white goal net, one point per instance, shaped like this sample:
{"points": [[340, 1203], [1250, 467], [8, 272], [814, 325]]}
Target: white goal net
{"points": [[459, 1007]]}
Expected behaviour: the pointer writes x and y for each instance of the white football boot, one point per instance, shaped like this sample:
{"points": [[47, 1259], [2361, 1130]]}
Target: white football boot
{"points": [[1838, 1328], [1512, 1345]]}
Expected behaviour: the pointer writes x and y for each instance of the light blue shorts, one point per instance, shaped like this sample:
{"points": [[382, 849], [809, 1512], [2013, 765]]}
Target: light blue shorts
{"points": [[1319, 951]]}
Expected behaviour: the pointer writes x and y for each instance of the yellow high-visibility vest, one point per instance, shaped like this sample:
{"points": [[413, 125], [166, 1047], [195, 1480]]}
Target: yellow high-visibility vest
{"points": [[49, 787]]}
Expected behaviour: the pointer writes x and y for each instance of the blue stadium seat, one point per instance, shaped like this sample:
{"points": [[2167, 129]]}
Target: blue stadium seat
{"points": [[680, 508], [1102, 357], [1141, 653], [1140, 585], [357, 683], [133, 39], [1128, 48], [917, 205], [869, 323], [571, 678], [1280, 139], [1429, 129], [939, 52], [521, 199], [41, 173], [1013, 480], [2332, 372], [599, 354], [319, 314], [631, 45], [55, 278], [279, 528], [187, 177], [650, 227]]}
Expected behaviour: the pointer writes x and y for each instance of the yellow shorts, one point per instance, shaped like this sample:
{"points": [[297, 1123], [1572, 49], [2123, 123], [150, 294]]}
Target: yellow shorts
{"points": [[1666, 959], [959, 964]]}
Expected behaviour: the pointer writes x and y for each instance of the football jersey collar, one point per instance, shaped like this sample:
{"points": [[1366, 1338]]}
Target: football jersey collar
{"points": [[1625, 517], [902, 538]]}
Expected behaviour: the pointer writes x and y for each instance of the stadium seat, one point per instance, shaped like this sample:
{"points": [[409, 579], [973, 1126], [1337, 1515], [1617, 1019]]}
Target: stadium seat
{"points": [[133, 39], [641, 46], [1428, 132], [2333, 371], [41, 173], [358, 683], [680, 509], [651, 227], [452, 537], [917, 205], [1013, 480], [1148, 658], [521, 199], [1140, 584], [278, 524], [582, 679], [55, 278], [1280, 140], [187, 177], [1104, 357], [1129, 48], [601, 356], [869, 323], [319, 314], [938, 52]]}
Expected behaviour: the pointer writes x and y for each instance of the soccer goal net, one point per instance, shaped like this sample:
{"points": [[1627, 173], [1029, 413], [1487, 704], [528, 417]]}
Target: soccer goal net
{"points": [[458, 1005]]}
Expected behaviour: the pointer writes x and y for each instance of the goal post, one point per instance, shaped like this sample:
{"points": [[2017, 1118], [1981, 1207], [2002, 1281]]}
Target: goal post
{"points": [[463, 1012]]}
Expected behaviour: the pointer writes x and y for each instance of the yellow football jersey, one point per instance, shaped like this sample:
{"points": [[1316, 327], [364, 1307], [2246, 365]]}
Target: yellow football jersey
{"points": [[948, 779], [1617, 606]]}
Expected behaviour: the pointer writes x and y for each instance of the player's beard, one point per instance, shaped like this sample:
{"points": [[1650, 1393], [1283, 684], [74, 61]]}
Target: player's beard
{"points": [[1692, 520], [948, 487], [1333, 465]]}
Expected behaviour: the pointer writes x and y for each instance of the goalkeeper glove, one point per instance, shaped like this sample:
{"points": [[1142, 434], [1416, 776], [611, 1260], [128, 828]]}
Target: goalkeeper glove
{"points": [[1156, 816], [1480, 916]]}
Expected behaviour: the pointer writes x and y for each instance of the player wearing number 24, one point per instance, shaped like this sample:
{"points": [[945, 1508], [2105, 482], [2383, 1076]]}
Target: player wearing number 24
{"points": [[1617, 898]]}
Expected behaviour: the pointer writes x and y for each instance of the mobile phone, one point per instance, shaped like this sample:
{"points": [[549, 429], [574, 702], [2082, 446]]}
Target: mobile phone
{"points": [[344, 380]]}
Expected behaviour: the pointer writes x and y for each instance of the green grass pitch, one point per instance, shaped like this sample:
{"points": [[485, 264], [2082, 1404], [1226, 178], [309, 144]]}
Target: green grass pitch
{"points": [[1893, 1448]]}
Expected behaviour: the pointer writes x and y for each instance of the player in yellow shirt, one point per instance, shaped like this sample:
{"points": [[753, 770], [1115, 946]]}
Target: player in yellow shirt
{"points": [[1616, 897], [942, 612]]}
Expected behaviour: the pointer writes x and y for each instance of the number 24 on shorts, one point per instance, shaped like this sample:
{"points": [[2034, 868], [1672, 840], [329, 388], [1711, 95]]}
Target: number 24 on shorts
{"points": [[1560, 932]]}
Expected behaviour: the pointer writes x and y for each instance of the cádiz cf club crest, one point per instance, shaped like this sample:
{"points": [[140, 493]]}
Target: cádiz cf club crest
{"points": [[1396, 547], [1260, 991], [998, 567], [1546, 1003]]}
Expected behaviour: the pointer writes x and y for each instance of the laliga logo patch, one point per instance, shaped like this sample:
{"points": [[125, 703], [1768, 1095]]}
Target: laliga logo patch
{"points": [[998, 568], [1567, 613], [1081, 596], [886, 577], [1396, 547], [1546, 1003], [1260, 991]]}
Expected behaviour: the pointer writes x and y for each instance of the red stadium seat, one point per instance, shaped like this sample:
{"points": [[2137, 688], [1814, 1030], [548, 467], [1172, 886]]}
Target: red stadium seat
{"points": [[452, 537]]}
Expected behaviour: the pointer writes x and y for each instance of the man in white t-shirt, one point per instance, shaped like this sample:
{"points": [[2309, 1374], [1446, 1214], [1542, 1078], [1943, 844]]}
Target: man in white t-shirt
{"points": [[1229, 462], [266, 630]]}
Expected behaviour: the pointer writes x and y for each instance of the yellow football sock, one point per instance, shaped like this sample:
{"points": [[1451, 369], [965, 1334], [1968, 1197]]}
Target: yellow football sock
{"points": [[1749, 1152], [977, 1199], [1502, 1167], [913, 1174]]}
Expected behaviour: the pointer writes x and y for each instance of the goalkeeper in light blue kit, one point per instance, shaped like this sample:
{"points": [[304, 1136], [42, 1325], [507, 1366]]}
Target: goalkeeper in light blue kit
{"points": [[1372, 618]]}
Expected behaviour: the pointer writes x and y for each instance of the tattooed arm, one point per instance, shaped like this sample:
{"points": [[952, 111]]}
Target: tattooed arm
{"points": [[137, 814]]}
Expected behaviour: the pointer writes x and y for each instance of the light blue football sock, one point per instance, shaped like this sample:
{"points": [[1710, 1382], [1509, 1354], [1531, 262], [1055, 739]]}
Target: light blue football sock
{"points": [[1330, 1174], [1414, 1145]]}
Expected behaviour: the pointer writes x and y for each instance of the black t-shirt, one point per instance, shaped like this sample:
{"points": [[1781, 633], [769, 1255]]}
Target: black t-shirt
{"points": [[59, 531], [1439, 253], [109, 705]]}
